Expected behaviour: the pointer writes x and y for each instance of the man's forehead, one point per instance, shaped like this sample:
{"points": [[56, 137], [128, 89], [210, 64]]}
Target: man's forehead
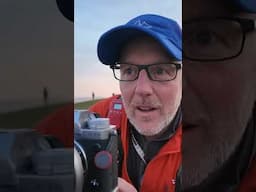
{"points": [[192, 9], [147, 43]]}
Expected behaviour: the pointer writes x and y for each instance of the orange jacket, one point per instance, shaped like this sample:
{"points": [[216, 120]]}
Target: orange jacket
{"points": [[248, 183], [59, 124], [160, 173]]}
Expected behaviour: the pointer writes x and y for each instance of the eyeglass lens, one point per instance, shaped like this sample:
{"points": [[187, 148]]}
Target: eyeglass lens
{"points": [[157, 72], [214, 39]]}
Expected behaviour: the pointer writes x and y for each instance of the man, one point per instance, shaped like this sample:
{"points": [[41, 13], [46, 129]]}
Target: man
{"points": [[145, 56], [219, 95]]}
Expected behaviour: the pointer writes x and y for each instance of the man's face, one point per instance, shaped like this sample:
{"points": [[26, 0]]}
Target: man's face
{"points": [[218, 98], [150, 105]]}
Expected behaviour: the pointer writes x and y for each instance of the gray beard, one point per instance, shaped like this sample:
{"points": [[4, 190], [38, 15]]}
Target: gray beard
{"points": [[154, 130], [212, 158]]}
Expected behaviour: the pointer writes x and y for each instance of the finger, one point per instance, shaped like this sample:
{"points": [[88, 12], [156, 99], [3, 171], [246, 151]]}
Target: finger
{"points": [[124, 186]]}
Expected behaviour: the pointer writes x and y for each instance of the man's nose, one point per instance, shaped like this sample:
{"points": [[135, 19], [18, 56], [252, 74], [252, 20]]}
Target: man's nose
{"points": [[143, 84]]}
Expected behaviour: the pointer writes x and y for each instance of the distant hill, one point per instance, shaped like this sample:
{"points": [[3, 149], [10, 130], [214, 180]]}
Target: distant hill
{"points": [[86, 104]]}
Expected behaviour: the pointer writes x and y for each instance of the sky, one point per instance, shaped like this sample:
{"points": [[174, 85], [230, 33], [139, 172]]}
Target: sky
{"points": [[92, 19]]}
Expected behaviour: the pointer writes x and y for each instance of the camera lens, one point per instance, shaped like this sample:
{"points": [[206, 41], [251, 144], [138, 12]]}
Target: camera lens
{"points": [[80, 165]]}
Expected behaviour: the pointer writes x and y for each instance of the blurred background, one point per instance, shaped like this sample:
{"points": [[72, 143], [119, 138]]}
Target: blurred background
{"points": [[37, 61]]}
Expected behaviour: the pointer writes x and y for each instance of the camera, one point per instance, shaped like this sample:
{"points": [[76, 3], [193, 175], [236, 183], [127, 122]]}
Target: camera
{"points": [[32, 162], [29, 163], [96, 151]]}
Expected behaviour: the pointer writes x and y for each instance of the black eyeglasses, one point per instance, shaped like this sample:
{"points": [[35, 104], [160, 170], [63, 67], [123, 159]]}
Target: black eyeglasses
{"points": [[215, 38], [156, 72]]}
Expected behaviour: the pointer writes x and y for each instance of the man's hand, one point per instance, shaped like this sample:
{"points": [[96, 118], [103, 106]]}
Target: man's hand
{"points": [[124, 186]]}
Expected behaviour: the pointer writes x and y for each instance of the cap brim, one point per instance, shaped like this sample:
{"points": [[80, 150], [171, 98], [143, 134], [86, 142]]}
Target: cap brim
{"points": [[111, 42], [247, 5]]}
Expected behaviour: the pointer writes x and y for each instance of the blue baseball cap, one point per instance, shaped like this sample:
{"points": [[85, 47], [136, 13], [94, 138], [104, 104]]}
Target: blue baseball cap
{"points": [[166, 31], [247, 5]]}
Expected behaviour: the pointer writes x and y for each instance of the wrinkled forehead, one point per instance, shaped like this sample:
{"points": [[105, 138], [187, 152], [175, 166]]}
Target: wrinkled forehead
{"points": [[192, 9]]}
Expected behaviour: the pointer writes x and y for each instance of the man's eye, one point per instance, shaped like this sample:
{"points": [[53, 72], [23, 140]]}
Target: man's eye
{"points": [[159, 71], [206, 37], [128, 71], [203, 37]]}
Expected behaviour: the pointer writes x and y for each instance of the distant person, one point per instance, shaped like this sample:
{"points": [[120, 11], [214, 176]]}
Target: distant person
{"points": [[93, 95], [45, 95]]}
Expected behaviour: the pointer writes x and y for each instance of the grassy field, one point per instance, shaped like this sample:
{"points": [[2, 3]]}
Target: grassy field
{"points": [[86, 104], [28, 118]]}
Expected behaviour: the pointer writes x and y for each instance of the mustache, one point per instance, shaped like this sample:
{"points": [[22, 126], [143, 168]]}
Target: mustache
{"points": [[146, 102]]}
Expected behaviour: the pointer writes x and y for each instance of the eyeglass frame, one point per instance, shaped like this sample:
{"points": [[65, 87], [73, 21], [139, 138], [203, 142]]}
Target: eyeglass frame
{"points": [[246, 25], [177, 65]]}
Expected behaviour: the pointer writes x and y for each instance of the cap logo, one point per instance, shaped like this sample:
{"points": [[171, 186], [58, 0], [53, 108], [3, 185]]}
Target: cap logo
{"points": [[142, 24]]}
